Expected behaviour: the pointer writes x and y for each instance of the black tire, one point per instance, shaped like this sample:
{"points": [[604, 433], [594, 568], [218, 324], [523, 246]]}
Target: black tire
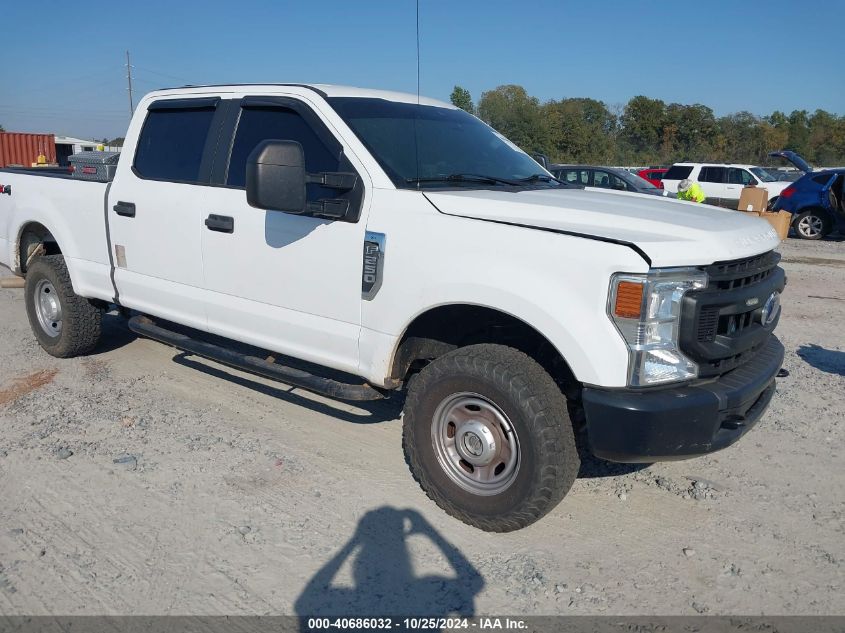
{"points": [[812, 224], [548, 461], [80, 320]]}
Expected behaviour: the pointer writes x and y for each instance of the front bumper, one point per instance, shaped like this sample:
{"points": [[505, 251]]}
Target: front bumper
{"points": [[627, 425]]}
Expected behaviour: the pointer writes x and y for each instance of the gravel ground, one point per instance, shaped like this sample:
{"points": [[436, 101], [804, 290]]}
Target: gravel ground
{"points": [[142, 481]]}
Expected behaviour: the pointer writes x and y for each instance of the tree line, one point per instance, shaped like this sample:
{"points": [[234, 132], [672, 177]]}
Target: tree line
{"points": [[648, 131]]}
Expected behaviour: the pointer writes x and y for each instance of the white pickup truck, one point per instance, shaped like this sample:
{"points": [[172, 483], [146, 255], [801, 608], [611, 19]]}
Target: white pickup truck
{"points": [[405, 243]]}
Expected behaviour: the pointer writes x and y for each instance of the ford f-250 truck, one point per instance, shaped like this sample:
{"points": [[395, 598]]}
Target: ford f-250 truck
{"points": [[407, 244]]}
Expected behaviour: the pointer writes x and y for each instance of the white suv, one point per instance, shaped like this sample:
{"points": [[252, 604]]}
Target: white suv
{"points": [[722, 183]]}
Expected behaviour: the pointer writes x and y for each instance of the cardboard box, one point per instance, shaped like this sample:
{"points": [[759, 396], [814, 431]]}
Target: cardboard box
{"points": [[753, 199], [780, 221]]}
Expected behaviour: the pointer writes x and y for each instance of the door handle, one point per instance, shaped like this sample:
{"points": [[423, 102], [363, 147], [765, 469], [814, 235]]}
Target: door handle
{"points": [[220, 223], [126, 209]]}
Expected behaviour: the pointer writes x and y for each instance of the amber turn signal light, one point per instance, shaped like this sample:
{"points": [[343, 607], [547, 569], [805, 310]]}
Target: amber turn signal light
{"points": [[629, 300]]}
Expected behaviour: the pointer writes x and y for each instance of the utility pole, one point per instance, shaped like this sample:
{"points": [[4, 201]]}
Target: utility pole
{"points": [[129, 79]]}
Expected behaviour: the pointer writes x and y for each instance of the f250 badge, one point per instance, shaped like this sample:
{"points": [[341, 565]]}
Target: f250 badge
{"points": [[373, 270]]}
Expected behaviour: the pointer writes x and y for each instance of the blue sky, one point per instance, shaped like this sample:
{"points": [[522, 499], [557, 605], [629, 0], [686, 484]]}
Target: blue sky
{"points": [[61, 63]]}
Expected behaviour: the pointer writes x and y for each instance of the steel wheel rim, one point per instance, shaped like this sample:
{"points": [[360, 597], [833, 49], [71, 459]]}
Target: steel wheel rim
{"points": [[475, 443], [810, 226], [48, 308]]}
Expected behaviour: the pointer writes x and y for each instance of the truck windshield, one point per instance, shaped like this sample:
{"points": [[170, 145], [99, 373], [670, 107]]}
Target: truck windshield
{"points": [[429, 146], [763, 174]]}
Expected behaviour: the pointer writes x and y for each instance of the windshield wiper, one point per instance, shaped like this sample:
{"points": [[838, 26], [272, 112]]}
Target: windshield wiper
{"points": [[538, 177], [492, 180]]}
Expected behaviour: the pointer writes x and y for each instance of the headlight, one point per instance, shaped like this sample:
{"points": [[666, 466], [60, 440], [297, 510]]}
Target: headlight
{"points": [[646, 309]]}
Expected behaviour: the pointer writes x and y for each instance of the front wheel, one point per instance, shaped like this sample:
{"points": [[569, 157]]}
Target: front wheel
{"points": [[812, 225], [487, 435], [64, 323]]}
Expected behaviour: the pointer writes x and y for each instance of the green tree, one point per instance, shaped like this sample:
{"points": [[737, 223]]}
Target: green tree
{"points": [[642, 125], [822, 142], [689, 133], [461, 98], [2, 129], [580, 130], [799, 131], [514, 113], [744, 136]]}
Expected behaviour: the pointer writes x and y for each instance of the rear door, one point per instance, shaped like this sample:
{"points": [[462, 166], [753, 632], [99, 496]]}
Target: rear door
{"points": [[155, 205], [712, 180], [290, 283]]}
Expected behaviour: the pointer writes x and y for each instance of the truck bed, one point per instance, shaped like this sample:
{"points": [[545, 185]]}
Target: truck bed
{"points": [[72, 211]]}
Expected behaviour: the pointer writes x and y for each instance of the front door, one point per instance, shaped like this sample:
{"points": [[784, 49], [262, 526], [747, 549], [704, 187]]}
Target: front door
{"points": [[291, 283]]}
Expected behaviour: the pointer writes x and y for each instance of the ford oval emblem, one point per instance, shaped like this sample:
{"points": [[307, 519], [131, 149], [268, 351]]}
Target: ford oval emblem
{"points": [[770, 309]]}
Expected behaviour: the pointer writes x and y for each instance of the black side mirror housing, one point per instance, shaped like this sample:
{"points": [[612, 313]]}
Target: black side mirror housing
{"points": [[276, 177], [542, 159]]}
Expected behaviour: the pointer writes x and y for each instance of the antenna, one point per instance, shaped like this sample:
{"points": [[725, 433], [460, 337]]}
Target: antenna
{"points": [[418, 52], [129, 79]]}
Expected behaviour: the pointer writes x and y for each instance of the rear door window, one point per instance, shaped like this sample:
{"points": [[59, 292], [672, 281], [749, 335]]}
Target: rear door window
{"points": [[712, 174], [601, 179], [575, 176], [172, 144]]}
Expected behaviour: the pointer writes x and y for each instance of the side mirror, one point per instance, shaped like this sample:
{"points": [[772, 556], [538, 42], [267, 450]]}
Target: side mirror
{"points": [[276, 177], [542, 159]]}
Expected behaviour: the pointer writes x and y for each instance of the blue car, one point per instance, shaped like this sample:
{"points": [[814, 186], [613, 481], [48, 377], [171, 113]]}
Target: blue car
{"points": [[816, 200]]}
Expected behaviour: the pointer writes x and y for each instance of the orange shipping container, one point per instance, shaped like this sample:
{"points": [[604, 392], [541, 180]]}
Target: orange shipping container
{"points": [[19, 148]]}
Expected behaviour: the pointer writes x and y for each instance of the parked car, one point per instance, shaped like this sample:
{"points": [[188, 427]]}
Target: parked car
{"points": [[816, 202], [604, 178], [399, 244], [723, 183], [654, 175]]}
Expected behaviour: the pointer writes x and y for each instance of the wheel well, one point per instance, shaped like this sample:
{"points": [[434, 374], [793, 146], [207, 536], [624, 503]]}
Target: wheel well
{"points": [[445, 328], [815, 209], [31, 235]]}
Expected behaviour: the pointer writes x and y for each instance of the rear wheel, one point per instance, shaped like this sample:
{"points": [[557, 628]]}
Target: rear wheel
{"points": [[487, 435], [64, 323], [812, 225]]}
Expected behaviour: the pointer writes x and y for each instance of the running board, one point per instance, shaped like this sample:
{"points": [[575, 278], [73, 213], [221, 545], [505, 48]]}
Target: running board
{"points": [[145, 326]]}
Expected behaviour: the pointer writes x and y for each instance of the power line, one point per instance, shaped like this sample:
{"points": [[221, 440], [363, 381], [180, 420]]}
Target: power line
{"points": [[160, 74]]}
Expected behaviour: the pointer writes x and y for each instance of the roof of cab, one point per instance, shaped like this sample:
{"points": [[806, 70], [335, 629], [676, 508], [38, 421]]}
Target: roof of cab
{"points": [[324, 90]]}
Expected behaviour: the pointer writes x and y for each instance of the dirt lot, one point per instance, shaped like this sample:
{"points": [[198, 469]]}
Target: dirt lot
{"points": [[142, 481]]}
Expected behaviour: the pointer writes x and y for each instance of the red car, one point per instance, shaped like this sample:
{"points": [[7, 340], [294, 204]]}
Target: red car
{"points": [[653, 175]]}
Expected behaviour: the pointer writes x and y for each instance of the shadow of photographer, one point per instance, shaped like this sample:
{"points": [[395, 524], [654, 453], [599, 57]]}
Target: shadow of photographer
{"points": [[383, 574]]}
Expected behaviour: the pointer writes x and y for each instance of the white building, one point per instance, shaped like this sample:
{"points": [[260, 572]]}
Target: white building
{"points": [[68, 145]]}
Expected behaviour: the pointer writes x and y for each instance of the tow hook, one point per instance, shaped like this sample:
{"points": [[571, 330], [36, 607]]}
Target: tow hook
{"points": [[7, 189]]}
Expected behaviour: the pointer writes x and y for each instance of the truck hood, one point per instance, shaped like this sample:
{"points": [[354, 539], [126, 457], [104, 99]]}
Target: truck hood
{"points": [[669, 232]]}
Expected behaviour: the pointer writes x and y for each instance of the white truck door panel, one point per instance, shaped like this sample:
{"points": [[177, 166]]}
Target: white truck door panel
{"points": [[155, 211], [290, 283]]}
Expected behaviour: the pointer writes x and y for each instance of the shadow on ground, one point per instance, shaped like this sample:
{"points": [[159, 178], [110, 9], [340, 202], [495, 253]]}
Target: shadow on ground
{"points": [[384, 582], [826, 360]]}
